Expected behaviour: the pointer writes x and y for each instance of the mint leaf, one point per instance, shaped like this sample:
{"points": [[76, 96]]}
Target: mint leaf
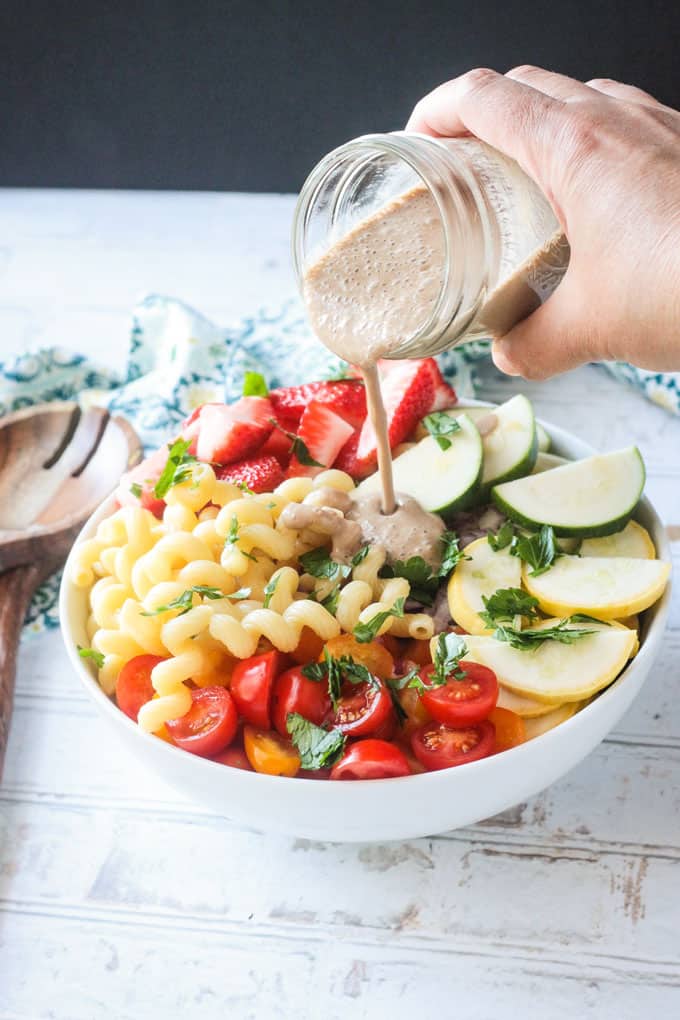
{"points": [[441, 425], [136, 490], [91, 653], [177, 467], [318, 748], [254, 385], [365, 632]]}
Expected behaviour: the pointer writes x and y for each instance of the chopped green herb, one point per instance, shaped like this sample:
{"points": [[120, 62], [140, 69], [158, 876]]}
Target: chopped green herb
{"points": [[136, 490], [360, 556], [245, 488], [238, 596], [177, 467], [503, 537], [331, 601], [399, 684], [441, 425], [451, 554], [185, 601], [528, 640], [506, 604], [254, 385], [298, 447], [232, 538], [318, 563], [91, 653], [449, 650], [539, 550], [318, 748], [364, 632], [269, 590], [336, 671], [419, 575]]}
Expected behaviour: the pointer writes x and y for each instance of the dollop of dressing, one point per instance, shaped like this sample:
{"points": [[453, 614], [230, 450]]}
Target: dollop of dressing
{"points": [[409, 531], [327, 520]]}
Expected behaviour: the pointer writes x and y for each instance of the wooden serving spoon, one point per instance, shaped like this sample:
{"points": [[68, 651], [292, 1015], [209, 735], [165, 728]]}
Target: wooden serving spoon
{"points": [[57, 464]]}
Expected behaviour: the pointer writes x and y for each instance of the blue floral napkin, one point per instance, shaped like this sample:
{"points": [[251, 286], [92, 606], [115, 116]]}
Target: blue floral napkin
{"points": [[178, 359]]}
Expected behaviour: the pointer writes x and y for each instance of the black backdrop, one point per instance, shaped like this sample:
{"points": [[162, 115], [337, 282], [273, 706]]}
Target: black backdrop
{"points": [[248, 95]]}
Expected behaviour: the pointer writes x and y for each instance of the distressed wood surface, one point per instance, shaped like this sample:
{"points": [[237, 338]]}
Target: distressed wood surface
{"points": [[120, 898]]}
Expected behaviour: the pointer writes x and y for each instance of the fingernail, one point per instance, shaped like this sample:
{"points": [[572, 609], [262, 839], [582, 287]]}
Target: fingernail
{"points": [[501, 360]]}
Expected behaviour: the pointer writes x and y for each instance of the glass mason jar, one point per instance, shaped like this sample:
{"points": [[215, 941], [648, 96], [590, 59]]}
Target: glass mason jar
{"points": [[503, 251]]}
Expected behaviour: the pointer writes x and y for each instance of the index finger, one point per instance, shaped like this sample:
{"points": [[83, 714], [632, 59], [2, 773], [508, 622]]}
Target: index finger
{"points": [[513, 117]]}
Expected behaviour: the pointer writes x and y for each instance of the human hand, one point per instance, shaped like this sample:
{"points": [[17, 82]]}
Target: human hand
{"points": [[607, 156]]}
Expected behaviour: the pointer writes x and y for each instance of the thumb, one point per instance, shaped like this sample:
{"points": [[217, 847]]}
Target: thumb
{"points": [[558, 336]]}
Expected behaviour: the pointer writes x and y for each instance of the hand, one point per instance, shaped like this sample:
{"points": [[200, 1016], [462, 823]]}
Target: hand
{"points": [[607, 156]]}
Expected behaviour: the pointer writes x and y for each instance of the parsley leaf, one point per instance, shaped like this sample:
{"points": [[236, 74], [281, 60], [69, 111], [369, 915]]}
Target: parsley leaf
{"points": [[185, 601], [269, 590], [503, 537], [298, 448], [232, 538], [177, 467], [449, 650], [528, 640], [336, 671], [254, 385], [539, 550], [506, 604], [399, 684], [364, 632], [136, 490], [360, 555], [91, 653], [318, 748], [441, 425], [331, 601], [451, 555], [318, 563], [419, 575], [244, 487]]}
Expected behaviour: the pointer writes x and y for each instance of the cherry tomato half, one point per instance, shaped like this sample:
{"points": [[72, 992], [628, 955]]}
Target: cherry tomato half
{"points": [[438, 746], [510, 728], [209, 725], [294, 692], [362, 709], [371, 759], [270, 753], [371, 654], [251, 687], [462, 702], [133, 686], [234, 756]]}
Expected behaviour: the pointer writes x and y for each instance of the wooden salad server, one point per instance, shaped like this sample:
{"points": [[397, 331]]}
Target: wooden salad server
{"points": [[57, 463]]}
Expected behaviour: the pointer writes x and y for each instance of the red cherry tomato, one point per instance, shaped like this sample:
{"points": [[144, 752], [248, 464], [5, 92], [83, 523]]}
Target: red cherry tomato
{"points": [[209, 725], [234, 756], [371, 759], [462, 702], [438, 746], [362, 709], [251, 687], [133, 686], [294, 692]]}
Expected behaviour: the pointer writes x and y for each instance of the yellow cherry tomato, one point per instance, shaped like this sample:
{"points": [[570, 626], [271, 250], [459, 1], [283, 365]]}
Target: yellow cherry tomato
{"points": [[269, 753]]}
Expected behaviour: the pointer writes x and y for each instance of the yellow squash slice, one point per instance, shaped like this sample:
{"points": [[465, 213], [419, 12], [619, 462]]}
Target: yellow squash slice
{"points": [[535, 727], [555, 672], [633, 542], [602, 586], [482, 574], [528, 708]]}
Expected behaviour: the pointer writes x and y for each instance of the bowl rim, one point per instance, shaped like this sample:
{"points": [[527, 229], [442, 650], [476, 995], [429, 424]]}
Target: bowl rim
{"points": [[649, 646]]}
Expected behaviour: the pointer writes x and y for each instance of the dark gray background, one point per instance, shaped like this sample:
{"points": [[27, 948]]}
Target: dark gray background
{"points": [[247, 95]]}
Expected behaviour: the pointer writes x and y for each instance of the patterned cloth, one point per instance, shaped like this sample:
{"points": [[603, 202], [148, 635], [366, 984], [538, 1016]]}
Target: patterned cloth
{"points": [[178, 359]]}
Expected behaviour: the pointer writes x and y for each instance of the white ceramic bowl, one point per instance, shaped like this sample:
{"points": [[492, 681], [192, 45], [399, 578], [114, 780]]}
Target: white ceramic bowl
{"points": [[379, 810]]}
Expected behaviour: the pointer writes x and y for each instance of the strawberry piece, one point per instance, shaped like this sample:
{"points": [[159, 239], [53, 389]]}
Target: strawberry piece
{"points": [[346, 397], [261, 474], [324, 433], [408, 392], [145, 475], [279, 445], [347, 459], [444, 395], [230, 432]]}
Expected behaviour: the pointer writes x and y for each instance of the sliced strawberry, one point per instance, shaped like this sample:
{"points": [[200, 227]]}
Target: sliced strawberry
{"points": [[278, 444], [347, 459], [408, 392], [346, 397], [144, 475], [261, 474], [229, 432], [324, 433], [444, 395]]}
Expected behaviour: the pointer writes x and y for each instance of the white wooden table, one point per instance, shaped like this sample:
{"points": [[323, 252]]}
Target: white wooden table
{"points": [[121, 900]]}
